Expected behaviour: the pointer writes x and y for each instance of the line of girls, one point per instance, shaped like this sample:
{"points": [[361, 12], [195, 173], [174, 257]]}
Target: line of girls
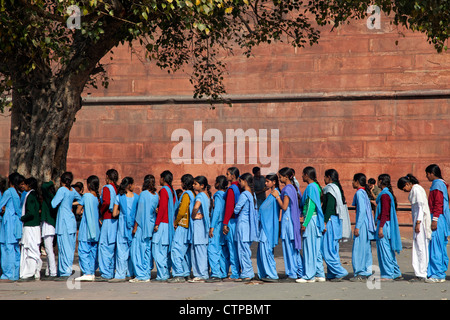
{"points": [[212, 235]]}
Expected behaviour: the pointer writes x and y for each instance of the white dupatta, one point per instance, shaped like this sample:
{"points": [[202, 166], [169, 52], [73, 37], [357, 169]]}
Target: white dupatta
{"points": [[341, 210]]}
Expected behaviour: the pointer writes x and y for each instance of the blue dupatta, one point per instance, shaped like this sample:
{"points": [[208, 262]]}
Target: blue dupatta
{"points": [[396, 242], [129, 217], [146, 207], [268, 218], [312, 192], [439, 184]]}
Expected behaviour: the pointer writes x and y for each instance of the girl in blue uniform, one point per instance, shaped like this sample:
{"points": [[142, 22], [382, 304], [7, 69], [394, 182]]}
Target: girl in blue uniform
{"points": [[66, 225], [388, 233], [108, 231], [440, 226], [164, 226], [289, 201], [364, 231], [217, 251], [125, 208], [140, 251], [180, 255], [269, 214], [312, 228], [89, 231], [199, 226], [334, 209], [246, 225], [11, 229]]}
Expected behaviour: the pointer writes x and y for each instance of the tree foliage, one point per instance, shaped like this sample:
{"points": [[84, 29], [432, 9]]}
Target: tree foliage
{"points": [[36, 43]]}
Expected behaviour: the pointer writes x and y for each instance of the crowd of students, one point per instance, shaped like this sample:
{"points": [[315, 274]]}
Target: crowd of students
{"points": [[125, 236]]}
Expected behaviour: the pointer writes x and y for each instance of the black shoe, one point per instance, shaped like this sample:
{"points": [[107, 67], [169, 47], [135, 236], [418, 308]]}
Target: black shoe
{"points": [[290, 280], [176, 280], [27, 279], [214, 279], [336, 279], [269, 280], [358, 279], [63, 278]]}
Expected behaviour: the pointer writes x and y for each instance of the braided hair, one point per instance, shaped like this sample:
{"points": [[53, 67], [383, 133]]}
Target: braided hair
{"points": [[248, 177], [409, 178], [168, 178], [202, 180], [289, 173], [385, 180], [124, 185], [311, 173], [334, 176], [362, 180], [149, 183], [93, 183], [434, 169], [113, 175], [274, 178], [187, 182]]}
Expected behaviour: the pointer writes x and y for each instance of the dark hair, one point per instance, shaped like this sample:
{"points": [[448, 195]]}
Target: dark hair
{"points": [[16, 179], [404, 180], [168, 178], [124, 185], [273, 177], [2, 184], [78, 185], [372, 181], [289, 173], [187, 182], [334, 176], [234, 171], [93, 184], [248, 177], [113, 175], [385, 180], [32, 183], [362, 180], [67, 178], [434, 169], [311, 173], [149, 183], [201, 180], [256, 169], [221, 182]]}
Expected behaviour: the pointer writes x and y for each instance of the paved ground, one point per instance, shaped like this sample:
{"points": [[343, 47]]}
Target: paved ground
{"points": [[231, 291]]}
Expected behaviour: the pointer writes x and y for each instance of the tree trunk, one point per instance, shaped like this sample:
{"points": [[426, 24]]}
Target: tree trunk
{"points": [[41, 122]]}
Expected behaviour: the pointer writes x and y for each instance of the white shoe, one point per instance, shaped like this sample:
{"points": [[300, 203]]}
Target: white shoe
{"points": [[135, 280], [320, 279], [302, 280], [197, 280], [86, 277], [434, 280]]}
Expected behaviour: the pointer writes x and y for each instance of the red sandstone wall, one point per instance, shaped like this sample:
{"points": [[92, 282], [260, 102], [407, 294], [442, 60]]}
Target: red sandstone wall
{"points": [[374, 137]]}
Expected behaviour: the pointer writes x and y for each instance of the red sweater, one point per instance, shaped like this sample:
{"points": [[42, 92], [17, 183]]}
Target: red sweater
{"points": [[229, 205], [163, 208], [436, 203], [104, 208], [385, 214]]}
